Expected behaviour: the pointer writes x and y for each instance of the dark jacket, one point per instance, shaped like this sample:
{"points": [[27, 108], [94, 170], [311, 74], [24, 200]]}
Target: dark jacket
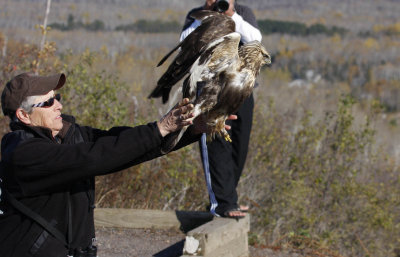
{"points": [[45, 173]]}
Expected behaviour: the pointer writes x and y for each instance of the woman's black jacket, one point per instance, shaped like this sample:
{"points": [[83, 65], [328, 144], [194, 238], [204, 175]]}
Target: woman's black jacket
{"points": [[46, 174]]}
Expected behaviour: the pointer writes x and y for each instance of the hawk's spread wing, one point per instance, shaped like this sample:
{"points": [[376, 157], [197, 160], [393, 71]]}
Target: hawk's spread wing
{"points": [[213, 26]]}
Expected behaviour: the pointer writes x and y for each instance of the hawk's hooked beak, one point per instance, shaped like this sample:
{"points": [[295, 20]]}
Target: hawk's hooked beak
{"points": [[267, 59]]}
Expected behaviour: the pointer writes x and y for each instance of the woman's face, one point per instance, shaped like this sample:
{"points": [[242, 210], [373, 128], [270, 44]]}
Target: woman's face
{"points": [[210, 4], [49, 116]]}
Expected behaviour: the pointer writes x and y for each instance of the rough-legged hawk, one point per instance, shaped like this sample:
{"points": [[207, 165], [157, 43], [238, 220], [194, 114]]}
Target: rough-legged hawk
{"points": [[211, 57]]}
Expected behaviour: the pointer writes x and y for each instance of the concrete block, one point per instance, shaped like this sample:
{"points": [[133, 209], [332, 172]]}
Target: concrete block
{"points": [[219, 237], [135, 218], [206, 235]]}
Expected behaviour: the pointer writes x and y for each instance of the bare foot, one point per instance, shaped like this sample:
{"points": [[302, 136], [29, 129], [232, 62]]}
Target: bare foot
{"points": [[244, 208], [235, 213]]}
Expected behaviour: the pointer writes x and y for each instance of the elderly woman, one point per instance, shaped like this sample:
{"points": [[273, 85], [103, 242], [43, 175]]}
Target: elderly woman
{"points": [[49, 163]]}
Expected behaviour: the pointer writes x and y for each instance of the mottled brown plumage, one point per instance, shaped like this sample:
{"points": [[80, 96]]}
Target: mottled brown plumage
{"points": [[191, 48], [225, 72]]}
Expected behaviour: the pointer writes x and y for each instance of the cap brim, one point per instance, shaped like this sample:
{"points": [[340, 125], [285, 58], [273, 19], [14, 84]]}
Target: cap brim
{"points": [[61, 81], [43, 85]]}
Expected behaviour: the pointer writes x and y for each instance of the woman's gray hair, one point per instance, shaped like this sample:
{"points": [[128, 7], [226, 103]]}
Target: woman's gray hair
{"points": [[26, 105]]}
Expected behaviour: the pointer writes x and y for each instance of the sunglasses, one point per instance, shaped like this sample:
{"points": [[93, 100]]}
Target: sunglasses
{"points": [[49, 102]]}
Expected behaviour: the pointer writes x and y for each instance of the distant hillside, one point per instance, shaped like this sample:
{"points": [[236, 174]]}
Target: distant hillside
{"points": [[351, 14]]}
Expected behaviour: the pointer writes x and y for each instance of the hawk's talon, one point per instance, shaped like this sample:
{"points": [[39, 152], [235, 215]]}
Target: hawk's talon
{"points": [[228, 138]]}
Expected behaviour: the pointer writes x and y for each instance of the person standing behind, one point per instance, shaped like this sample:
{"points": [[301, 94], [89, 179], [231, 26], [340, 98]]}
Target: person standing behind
{"points": [[226, 160]]}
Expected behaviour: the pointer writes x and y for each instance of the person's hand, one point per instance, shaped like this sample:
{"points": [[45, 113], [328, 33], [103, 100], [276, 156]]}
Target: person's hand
{"points": [[178, 117], [200, 124]]}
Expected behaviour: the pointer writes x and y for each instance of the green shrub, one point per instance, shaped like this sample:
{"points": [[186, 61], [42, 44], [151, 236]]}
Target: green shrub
{"points": [[324, 180], [94, 97], [96, 25], [268, 26]]}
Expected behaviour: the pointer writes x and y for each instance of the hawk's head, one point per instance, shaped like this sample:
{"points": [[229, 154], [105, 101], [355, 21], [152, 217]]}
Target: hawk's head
{"points": [[254, 56]]}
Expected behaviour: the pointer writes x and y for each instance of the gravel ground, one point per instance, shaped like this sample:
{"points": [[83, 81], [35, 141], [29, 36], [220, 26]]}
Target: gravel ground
{"points": [[118, 242]]}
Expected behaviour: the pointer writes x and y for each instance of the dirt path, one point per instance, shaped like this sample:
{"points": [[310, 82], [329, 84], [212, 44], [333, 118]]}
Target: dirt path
{"points": [[117, 242]]}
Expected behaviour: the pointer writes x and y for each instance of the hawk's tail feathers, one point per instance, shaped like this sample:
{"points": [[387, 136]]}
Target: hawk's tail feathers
{"points": [[160, 91], [168, 55]]}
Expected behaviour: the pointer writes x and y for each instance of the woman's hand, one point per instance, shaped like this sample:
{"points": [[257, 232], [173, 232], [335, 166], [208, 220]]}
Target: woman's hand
{"points": [[178, 117]]}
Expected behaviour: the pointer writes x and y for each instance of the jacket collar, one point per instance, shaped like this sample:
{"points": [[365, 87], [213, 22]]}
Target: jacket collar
{"points": [[45, 132]]}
